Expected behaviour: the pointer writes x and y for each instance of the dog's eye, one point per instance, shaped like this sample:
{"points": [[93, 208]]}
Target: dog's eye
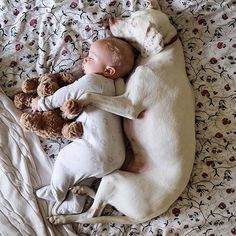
{"points": [[134, 23]]}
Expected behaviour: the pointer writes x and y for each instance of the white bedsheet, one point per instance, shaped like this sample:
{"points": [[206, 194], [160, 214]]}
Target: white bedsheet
{"points": [[23, 168]]}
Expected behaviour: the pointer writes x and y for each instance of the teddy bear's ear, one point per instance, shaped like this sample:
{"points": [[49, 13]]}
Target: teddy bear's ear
{"points": [[30, 85], [67, 78]]}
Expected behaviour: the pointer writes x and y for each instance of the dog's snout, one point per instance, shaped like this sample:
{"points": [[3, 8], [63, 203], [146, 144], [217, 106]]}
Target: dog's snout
{"points": [[112, 21]]}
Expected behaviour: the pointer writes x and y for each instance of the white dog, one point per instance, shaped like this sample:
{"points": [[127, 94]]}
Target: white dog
{"points": [[159, 105]]}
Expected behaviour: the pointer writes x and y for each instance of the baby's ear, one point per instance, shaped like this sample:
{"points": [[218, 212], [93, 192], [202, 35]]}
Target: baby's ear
{"points": [[109, 71]]}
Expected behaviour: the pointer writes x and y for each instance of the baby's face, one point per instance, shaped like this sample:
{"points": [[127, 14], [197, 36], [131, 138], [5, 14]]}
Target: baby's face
{"points": [[96, 61], [108, 57]]}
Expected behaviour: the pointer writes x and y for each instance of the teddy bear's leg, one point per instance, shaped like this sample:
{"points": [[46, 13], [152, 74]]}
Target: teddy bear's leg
{"points": [[72, 130], [31, 122], [30, 85]]}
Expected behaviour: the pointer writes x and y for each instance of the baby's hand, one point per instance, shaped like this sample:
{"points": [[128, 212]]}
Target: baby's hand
{"points": [[72, 107], [84, 99], [34, 104]]}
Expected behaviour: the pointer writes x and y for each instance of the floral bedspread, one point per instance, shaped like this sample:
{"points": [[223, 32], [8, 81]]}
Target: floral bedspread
{"points": [[39, 36]]}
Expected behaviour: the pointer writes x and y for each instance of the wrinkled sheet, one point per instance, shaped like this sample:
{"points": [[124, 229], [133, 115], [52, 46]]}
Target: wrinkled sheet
{"points": [[24, 167], [46, 35]]}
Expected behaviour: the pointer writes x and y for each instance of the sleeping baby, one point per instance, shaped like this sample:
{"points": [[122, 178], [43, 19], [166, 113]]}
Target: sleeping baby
{"points": [[101, 149]]}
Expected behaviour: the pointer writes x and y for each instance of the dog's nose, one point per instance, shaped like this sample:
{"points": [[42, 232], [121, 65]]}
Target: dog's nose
{"points": [[112, 21], [85, 60]]}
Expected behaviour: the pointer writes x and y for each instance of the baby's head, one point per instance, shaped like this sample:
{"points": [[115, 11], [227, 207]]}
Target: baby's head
{"points": [[111, 57]]}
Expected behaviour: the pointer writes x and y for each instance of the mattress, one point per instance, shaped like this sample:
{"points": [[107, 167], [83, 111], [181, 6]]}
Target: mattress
{"points": [[42, 36]]}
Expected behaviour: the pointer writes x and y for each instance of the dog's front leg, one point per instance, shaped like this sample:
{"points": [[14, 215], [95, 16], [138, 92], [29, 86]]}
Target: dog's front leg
{"points": [[119, 105]]}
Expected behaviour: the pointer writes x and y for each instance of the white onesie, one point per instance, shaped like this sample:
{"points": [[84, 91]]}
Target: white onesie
{"points": [[101, 149]]}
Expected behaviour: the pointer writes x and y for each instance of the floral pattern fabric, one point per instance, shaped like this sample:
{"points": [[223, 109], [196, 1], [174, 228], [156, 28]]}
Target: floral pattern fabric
{"points": [[44, 35]]}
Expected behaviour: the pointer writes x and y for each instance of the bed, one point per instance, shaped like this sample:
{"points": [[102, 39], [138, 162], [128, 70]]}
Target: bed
{"points": [[40, 36]]}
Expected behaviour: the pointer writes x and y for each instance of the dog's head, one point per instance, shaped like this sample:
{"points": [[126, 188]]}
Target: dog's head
{"points": [[147, 30]]}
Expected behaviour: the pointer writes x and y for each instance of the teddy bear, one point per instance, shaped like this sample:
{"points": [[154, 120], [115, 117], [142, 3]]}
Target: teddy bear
{"points": [[48, 124]]}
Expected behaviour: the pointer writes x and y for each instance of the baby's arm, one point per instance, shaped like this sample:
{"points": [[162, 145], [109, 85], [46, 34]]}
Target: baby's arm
{"points": [[56, 100], [119, 86]]}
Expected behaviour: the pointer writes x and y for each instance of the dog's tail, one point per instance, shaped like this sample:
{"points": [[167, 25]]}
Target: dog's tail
{"points": [[107, 220]]}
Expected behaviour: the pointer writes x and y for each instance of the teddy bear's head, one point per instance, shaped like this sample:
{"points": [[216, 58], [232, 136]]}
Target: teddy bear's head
{"points": [[48, 85], [30, 121]]}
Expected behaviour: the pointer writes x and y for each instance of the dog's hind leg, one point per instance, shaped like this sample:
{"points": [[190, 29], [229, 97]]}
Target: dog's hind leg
{"points": [[94, 211], [86, 219]]}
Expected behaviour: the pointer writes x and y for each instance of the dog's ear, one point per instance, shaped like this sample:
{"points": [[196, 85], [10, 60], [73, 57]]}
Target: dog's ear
{"points": [[153, 42], [152, 4]]}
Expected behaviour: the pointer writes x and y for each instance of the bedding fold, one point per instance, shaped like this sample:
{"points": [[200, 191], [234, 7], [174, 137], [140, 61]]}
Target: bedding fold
{"points": [[23, 168]]}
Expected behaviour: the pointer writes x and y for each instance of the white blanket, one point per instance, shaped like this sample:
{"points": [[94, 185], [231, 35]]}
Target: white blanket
{"points": [[23, 168]]}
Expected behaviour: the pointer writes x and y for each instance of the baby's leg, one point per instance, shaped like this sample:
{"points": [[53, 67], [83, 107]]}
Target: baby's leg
{"points": [[77, 161]]}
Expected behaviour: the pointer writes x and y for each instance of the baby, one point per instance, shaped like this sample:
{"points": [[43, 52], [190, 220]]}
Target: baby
{"points": [[101, 149]]}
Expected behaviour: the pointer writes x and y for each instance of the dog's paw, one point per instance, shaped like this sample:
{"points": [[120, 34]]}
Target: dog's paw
{"points": [[57, 219], [79, 190], [83, 190]]}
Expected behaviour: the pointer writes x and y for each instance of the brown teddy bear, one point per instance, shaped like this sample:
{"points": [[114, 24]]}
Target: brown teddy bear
{"points": [[49, 124]]}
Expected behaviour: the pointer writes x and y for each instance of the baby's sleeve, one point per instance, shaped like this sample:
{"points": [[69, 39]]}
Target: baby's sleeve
{"points": [[72, 91], [54, 101], [119, 86]]}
